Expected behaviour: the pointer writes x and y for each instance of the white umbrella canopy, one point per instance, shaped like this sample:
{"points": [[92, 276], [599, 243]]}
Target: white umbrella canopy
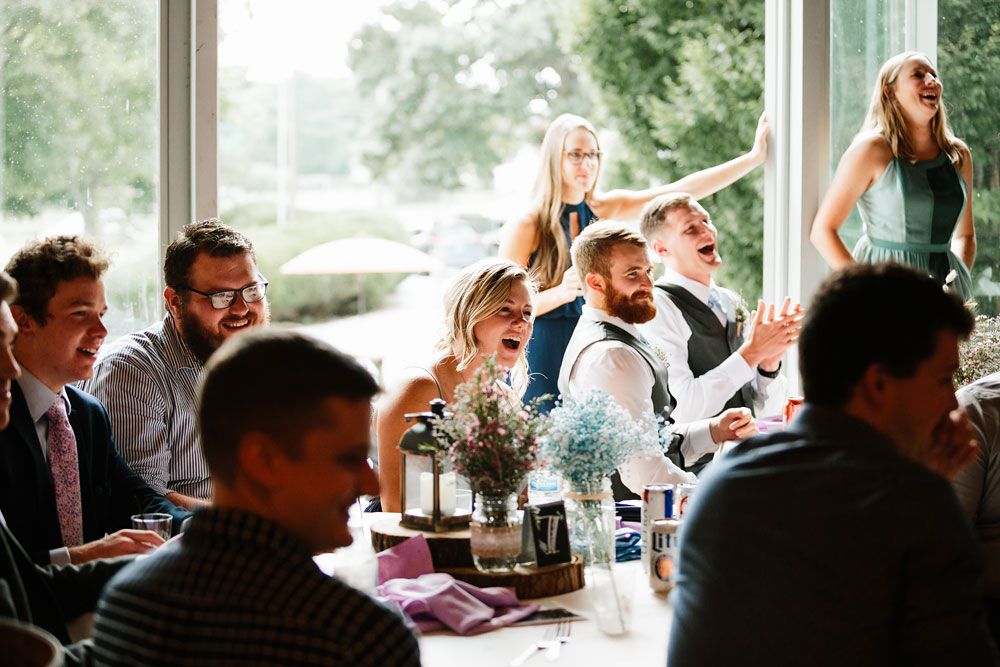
{"points": [[361, 255]]}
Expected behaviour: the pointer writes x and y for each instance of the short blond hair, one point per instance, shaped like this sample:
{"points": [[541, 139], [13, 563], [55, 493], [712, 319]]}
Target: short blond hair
{"points": [[593, 247], [479, 292], [655, 212]]}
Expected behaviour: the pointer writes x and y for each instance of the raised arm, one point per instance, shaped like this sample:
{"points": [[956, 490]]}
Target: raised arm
{"points": [[414, 394], [859, 168], [627, 204], [518, 239], [963, 241]]}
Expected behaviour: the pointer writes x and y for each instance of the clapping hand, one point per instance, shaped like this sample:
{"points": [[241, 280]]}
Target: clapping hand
{"points": [[771, 334]]}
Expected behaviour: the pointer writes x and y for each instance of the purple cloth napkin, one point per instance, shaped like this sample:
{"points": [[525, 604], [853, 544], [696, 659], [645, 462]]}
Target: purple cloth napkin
{"points": [[406, 560], [439, 601]]}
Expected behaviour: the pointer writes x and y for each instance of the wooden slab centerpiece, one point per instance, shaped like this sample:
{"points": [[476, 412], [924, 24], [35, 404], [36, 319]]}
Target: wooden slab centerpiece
{"points": [[450, 553]]}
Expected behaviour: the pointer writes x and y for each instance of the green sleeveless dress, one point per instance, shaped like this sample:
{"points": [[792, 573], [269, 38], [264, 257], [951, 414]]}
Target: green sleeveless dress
{"points": [[909, 215]]}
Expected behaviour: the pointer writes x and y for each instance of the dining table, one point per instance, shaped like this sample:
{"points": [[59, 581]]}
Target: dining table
{"points": [[645, 642]]}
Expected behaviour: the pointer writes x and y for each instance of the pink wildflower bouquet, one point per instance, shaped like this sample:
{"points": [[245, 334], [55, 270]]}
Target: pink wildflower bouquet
{"points": [[980, 355], [492, 438]]}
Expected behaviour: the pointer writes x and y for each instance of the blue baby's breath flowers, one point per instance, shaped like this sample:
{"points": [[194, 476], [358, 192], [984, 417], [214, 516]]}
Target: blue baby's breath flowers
{"points": [[587, 439]]}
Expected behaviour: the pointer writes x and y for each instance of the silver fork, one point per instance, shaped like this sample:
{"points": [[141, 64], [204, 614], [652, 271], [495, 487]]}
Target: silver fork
{"points": [[562, 636], [548, 640]]}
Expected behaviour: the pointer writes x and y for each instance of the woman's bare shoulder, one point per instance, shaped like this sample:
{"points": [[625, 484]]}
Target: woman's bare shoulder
{"points": [[412, 391]]}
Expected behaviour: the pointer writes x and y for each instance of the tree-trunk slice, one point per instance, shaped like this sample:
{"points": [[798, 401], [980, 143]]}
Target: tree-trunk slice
{"points": [[450, 553], [448, 550], [528, 581]]}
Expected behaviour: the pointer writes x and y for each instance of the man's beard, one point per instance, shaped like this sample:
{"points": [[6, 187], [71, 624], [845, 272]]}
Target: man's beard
{"points": [[629, 308], [203, 341]]}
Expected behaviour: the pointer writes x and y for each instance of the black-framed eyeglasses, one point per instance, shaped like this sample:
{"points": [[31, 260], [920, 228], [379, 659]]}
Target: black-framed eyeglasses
{"points": [[576, 157], [226, 298]]}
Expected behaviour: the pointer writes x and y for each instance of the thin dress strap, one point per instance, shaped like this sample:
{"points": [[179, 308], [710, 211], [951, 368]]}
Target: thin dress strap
{"points": [[436, 383]]}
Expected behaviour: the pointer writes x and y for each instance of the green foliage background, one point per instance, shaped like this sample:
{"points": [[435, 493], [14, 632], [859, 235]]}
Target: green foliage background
{"points": [[683, 82], [314, 298]]}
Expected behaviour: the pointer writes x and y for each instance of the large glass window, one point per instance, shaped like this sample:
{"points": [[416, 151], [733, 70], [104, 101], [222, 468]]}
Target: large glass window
{"points": [[79, 118], [863, 34], [969, 59]]}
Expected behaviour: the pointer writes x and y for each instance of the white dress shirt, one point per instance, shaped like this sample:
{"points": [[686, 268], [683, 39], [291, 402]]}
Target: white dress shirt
{"points": [[621, 372], [706, 395]]}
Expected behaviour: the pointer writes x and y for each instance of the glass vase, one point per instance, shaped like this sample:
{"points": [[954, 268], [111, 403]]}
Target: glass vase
{"points": [[590, 513], [495, 533]]}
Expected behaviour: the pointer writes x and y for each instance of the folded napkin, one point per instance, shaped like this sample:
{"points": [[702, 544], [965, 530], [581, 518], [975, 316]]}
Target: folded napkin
{"points": [[628, 545], [406, 560], [436, 601], [439, 601]]}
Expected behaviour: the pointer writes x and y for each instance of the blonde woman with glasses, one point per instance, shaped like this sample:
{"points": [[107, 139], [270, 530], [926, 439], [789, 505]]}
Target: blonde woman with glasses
{"points": [[489, 310], [564, 202], [911, 179]]}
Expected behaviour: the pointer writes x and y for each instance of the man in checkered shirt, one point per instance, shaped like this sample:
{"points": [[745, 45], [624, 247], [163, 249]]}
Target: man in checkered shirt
{"points": [[284, 423]]}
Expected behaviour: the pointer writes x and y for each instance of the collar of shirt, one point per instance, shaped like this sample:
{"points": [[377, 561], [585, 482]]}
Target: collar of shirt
{"points": [[179, 354], [39, 397], [699, 290], [603, 316]]}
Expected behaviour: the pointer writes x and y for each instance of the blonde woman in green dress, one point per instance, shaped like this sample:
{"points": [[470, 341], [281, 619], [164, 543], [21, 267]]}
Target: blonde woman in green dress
{"points": [[910, 178]]}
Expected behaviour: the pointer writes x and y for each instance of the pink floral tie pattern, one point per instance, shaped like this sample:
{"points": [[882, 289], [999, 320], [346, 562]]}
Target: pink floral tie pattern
{"points": [[65, 465]]}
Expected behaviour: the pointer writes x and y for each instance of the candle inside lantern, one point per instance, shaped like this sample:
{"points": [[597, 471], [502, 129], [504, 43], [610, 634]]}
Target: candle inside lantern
{"points": [[447, 492]]}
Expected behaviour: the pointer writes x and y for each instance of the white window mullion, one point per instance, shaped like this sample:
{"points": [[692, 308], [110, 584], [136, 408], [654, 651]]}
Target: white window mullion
{"points": [[797, 91]]}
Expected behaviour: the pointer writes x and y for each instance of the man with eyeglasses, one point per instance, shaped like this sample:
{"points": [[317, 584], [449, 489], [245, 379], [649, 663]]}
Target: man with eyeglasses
{"points": [[148, 379]]}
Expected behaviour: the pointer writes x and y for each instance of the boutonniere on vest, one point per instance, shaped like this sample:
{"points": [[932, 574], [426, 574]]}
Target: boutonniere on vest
{"points": [[660, 354], [741, 315]]}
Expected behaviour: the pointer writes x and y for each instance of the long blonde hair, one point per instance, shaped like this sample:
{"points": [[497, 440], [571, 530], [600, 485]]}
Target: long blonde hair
{"points": [[552, 254], [885, 116], [479, 292]]}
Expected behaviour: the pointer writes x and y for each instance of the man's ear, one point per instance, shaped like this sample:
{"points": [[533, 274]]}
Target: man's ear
{"points": [[26, 324], [596, 282], [660, 249], [173, 299], [258, 455], [875, 386]]}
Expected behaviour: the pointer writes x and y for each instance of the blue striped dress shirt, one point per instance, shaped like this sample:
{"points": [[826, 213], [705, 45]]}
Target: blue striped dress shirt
{"points": [[148, 382]]}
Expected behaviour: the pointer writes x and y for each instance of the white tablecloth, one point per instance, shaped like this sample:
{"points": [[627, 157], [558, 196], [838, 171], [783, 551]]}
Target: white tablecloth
{"points": [[644, 644]]}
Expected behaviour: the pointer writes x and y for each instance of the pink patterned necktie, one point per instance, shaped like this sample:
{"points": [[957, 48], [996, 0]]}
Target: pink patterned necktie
{"points": [[65, 465]]}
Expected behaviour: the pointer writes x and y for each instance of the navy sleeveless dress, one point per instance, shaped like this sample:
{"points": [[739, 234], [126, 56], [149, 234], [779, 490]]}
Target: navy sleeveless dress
{"points": [[553, 329]]}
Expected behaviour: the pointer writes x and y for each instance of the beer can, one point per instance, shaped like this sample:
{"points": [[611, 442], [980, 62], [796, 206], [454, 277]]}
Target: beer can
{"points": [[657, 503], [792, 407], [664, 550], [683, 494]]}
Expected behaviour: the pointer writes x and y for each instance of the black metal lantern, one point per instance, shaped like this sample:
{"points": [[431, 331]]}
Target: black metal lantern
{"points": [[428, 494]]}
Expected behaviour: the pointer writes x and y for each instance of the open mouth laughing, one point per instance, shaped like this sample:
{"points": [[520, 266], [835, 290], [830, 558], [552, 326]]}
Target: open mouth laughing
{"points": [[512, 343]]}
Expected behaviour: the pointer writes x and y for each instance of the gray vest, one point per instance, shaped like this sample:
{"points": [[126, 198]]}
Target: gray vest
{"points": [[590, 331], [710, 343]]}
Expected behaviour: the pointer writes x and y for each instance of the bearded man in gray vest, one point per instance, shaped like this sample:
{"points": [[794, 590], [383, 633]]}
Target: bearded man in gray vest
{"points": [[720, 355], [607, 352]]}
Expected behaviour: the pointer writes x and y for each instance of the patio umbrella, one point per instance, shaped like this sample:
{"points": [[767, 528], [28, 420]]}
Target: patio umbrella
{"points": [[360, 255]]}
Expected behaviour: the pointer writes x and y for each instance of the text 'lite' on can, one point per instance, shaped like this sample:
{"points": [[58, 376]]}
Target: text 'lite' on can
{"points": [[683, 493], [657, 503], [664, 550]]}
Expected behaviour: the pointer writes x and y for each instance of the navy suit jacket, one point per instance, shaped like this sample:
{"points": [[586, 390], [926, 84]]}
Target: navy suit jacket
{"points": [[110, 493]]}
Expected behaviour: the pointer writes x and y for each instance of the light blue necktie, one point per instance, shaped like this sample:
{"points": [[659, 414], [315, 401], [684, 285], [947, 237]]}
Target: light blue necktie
{"points": [[715, 303]]}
